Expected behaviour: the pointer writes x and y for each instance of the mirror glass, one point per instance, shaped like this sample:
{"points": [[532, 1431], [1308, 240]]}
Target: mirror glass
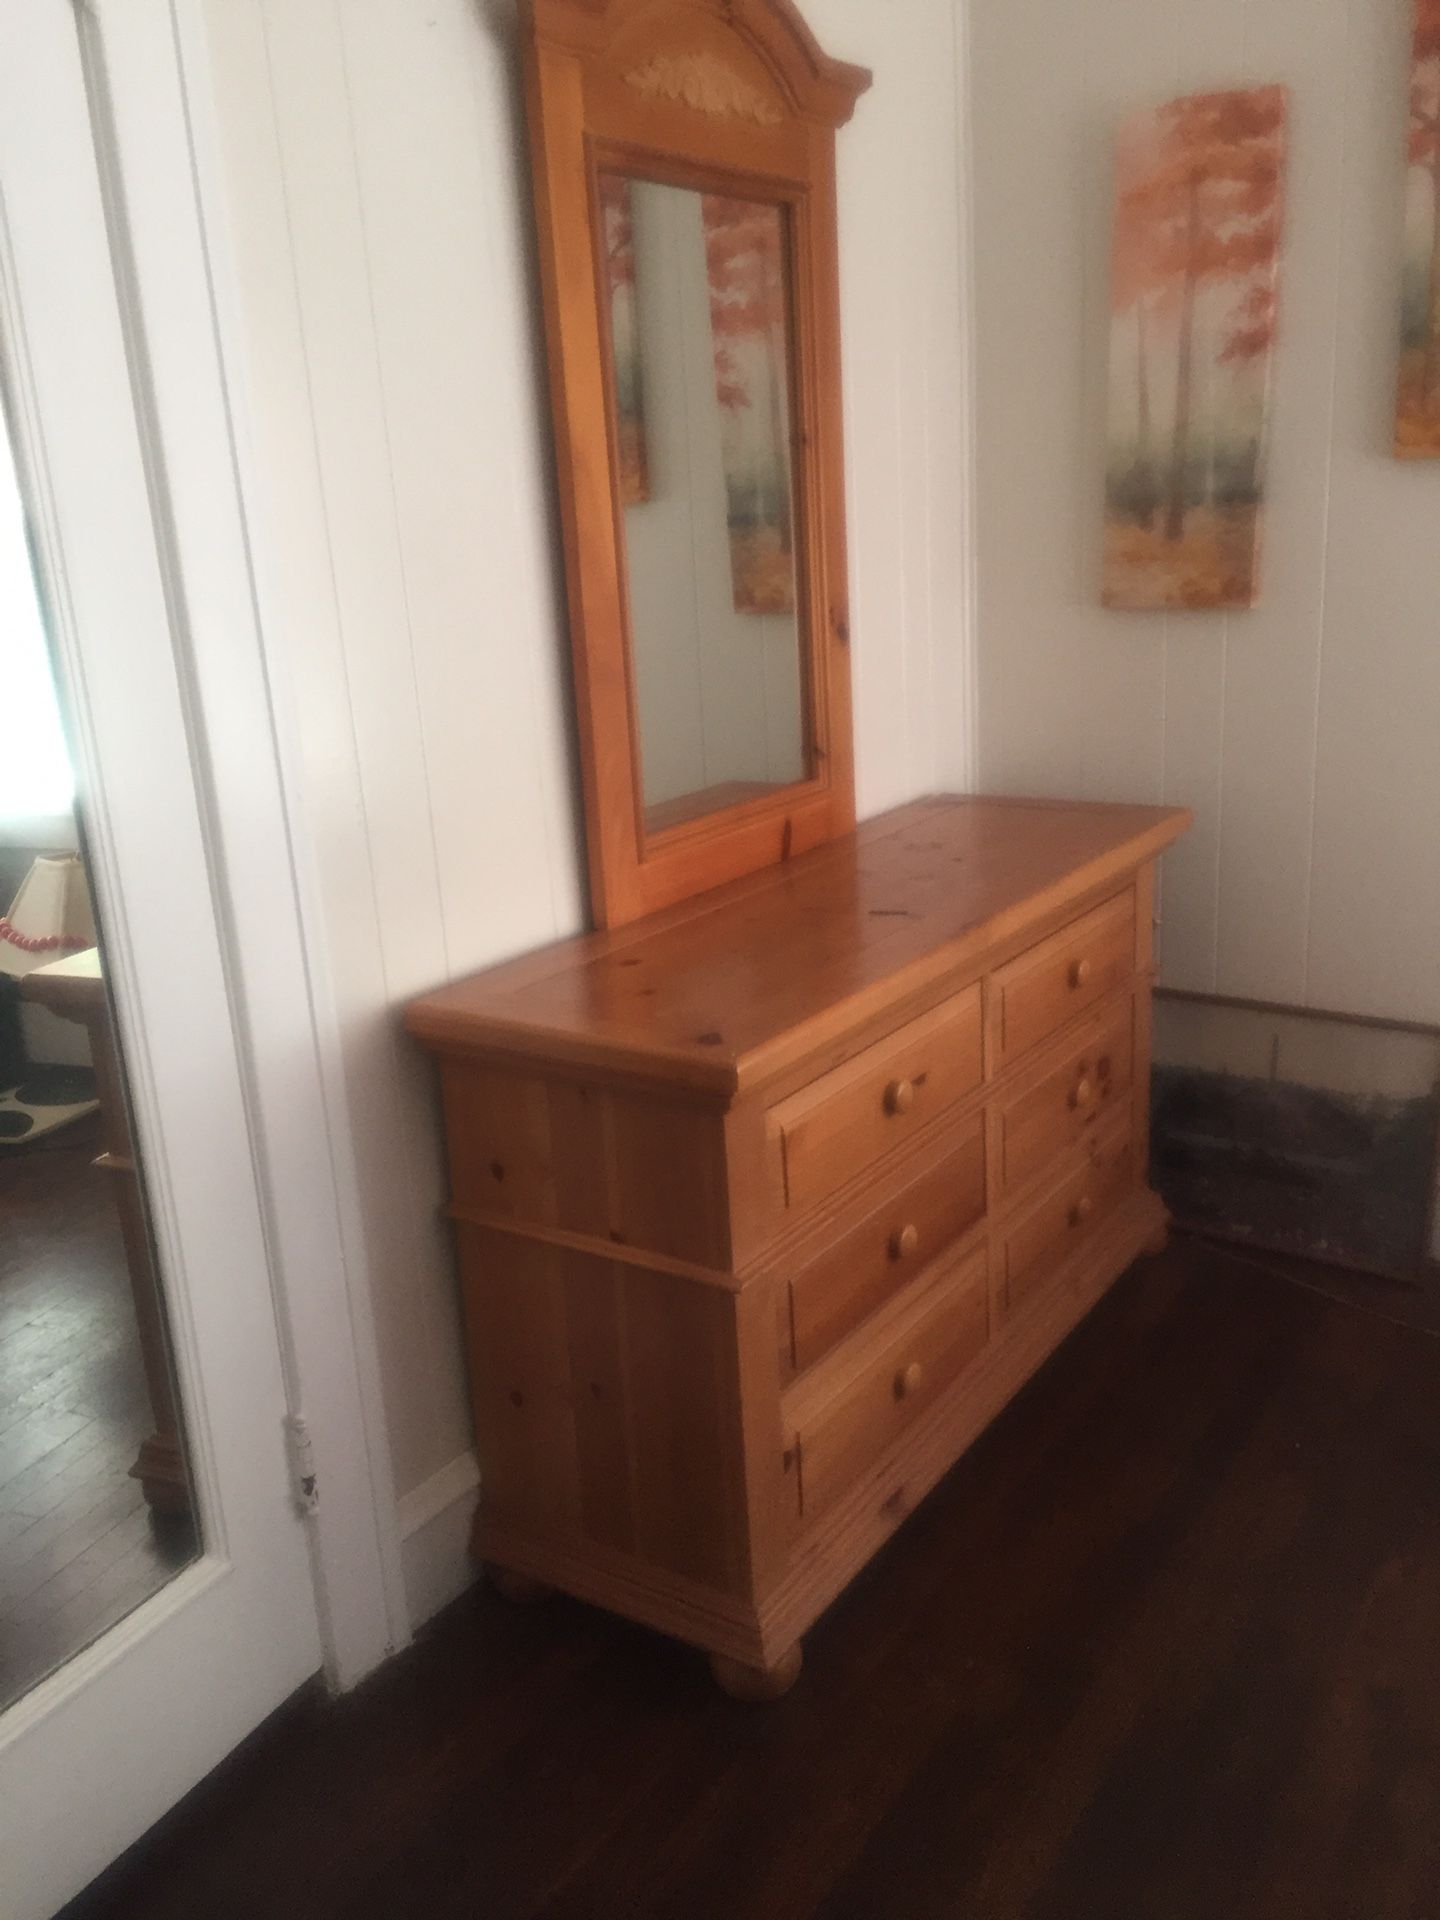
{"points": [[95, 1505], [700, 326]]}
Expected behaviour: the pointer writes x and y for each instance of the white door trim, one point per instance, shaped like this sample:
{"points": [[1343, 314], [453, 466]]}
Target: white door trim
{"points": [[153, 114], [94, 1754]]}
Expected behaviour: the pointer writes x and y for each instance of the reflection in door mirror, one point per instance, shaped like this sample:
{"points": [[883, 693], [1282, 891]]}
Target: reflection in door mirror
{"points": [[95, 1506]]}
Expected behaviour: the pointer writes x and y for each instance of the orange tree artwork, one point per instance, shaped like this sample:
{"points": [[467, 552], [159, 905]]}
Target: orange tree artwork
{"points": [[1199, 203], [745, 263], [1417, 417]]}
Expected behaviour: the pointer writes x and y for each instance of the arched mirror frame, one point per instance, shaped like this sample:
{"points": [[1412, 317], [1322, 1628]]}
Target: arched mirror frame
{"points": [[734, 97]]}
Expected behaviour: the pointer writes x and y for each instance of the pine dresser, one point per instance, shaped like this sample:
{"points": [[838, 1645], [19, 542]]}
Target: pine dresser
{"points": [[766, 1204]]}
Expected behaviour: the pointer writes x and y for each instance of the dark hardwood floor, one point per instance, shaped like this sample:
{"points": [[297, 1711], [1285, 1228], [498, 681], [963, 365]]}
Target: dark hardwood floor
{"points": [[78, 1549], [1164, 1646]]}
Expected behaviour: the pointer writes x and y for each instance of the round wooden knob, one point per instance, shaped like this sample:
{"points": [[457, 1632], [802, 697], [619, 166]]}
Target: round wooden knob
{"points": [[1079, 972], [1082, 1210], [904, 1242], [1083, 1094], [899, 1096], [907, 1381]]}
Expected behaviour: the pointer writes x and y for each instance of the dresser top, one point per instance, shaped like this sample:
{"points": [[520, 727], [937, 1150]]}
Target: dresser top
{"points": [[732, 986]]}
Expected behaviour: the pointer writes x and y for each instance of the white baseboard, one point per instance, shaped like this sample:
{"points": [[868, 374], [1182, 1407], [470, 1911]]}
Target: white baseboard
{"points": [[435, 1538]]}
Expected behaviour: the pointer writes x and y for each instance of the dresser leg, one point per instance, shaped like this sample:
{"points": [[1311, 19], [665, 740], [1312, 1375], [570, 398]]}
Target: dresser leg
{"points": [[518, 1588], [1159, 1238], [757, 1683]]}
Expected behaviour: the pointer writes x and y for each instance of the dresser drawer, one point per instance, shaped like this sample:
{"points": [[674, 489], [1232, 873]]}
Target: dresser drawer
{"points": [[1038, 1241], [864, 1266], [840, 1124], [1051, 1114], [924, 1356], [1070, 971]]}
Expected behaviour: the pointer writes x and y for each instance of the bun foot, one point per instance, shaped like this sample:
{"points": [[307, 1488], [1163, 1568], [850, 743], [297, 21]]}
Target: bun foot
{"points": [[756, 1683], [518, 1588]]}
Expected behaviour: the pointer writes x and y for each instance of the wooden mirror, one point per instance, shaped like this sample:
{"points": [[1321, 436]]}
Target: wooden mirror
{"points": [[685, 193]]}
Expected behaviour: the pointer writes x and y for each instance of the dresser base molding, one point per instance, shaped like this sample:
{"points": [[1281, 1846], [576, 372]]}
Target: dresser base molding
{"points": [[706, 1620], [752, 1649]]}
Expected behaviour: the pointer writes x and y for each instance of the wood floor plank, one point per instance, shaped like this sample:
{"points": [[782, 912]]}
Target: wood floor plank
{"points": [[1161, 1647], [56, 1542]]}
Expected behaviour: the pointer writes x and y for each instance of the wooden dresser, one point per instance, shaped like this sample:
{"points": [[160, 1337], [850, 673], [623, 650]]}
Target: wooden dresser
{"points": [[768, 1203]]}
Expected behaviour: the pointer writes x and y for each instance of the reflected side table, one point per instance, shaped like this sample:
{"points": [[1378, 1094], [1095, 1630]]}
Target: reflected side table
{"points": [[74, 988]]}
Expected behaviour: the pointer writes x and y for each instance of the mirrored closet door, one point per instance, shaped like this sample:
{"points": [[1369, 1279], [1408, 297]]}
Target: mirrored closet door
{"points": [[96, 1508], [156, 1597]]}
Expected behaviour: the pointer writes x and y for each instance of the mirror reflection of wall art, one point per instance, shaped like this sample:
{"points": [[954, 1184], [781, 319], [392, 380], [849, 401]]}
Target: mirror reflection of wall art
{"points": [[1417, 414], [745, 262], [619, 237], [700, 310], [1198, 208]]}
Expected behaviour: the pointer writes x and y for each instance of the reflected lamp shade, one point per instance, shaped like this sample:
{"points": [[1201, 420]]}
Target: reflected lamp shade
{"points": [[49, 917]]}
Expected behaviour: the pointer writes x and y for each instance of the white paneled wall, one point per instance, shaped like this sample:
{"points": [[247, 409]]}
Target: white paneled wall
{"points": [[1305, 733], [373, 196], [386, 351]]}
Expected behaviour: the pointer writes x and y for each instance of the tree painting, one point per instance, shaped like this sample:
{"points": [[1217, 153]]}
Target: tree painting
{"points": [[1198, 206], [618, 237], [1417, 422], [745, 264]]}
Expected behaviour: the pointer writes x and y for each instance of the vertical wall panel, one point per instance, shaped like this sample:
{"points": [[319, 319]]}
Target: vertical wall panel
{"points": [[436, 152], [1206, 45], [1374, 937], [870, 168], [1069, 696], [287, 476], [1273, 655], [903, 360], [383, 896]]}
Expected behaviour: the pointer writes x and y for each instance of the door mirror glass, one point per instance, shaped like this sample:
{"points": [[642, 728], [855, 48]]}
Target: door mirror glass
{"points": [[95, 1504]]}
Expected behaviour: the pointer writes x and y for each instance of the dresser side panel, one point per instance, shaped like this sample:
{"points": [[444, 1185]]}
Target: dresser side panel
{"points": [[618, 1165], [608, 1406]]}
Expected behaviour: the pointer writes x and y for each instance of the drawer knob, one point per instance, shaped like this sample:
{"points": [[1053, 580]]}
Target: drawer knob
{"points": [[1083, 1093], [899, 1096], [904, 1242], [1082, 1210], [1079, 972], [907, 1381]]}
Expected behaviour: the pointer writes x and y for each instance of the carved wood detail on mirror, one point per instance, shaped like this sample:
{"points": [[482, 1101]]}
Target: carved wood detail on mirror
{"points": [[685, 195]]}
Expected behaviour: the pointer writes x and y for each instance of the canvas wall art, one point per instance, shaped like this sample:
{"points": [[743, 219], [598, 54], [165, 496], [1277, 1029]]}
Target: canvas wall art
{"points": [[749, 324], [1198, 210], [617, 226], [1417, 414]]}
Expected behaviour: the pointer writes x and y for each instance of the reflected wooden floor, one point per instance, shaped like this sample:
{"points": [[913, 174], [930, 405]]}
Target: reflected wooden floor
{"points": [[78, 1549], [1163, 1644]]}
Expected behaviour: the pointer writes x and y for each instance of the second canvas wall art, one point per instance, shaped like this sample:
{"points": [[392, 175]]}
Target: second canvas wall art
{"points": [[1199, 197], [1417, 417]]}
